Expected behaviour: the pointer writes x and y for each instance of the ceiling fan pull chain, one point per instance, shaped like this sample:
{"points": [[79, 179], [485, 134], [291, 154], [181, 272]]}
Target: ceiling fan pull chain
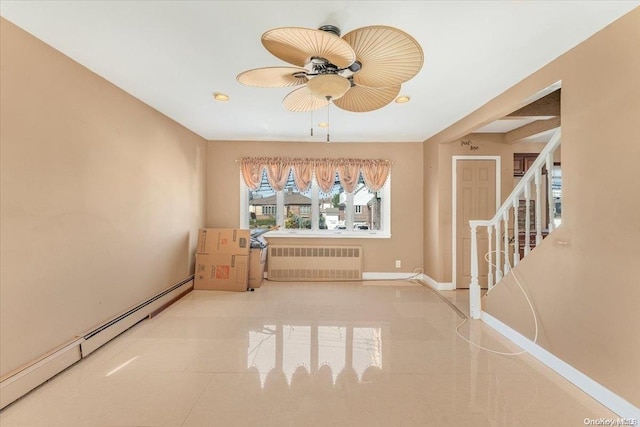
{"points": [[328, 122], [311, 123]]}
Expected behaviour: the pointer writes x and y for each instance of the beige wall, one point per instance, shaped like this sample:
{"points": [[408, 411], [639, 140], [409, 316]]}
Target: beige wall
{"points": [[433, 255], [405, 244], [583, 279], [102, 198]]}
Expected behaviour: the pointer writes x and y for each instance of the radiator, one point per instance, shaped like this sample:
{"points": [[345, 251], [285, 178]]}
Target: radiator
{"points": [[314, 263]]}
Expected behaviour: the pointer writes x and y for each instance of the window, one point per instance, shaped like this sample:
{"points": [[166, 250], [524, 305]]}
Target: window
{"points": [[296, 206], [314, 213], [262, 206]]}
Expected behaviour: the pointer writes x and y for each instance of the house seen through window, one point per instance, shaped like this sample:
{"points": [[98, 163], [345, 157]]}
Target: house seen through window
{"points": [[314, 210]]}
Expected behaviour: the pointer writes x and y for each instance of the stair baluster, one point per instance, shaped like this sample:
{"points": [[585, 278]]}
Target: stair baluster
{"points": [[490, 278], [533, 176], [550, 201], [505, 220], [538, 182], [527, 219], [498, 252]]}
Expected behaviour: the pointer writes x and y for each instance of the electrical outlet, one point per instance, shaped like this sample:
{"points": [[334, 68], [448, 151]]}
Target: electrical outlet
{"points": [[398, 263]]}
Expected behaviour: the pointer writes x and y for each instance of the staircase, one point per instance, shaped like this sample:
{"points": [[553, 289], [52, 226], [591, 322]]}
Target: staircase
{"points": [[507, 238]]}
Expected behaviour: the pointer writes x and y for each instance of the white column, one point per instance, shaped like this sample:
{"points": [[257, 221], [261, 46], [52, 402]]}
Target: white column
{"points": [[348, 211], [244, 204], [315, 206], [538, 181], [490, 281], [280, 208], [474, 286]]}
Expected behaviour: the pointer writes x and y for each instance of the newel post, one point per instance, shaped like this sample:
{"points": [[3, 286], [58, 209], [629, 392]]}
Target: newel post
{"points": [[474, 286]]}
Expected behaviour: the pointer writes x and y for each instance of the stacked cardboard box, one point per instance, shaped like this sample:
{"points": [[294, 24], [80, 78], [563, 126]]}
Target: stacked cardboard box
{"points": [[222, 259]]}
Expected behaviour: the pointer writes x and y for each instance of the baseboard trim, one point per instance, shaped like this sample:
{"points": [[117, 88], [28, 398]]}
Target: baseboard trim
{"points": [[111, 329], [441, 286], [25, 380], [390, 276], [30, 376], [594, 389]]}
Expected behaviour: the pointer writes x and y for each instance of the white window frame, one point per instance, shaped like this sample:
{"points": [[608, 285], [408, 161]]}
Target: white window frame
{"points": [[385, 220]]}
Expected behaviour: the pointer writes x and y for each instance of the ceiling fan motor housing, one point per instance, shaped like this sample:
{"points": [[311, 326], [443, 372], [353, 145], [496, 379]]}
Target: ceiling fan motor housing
{"points": [[331, 29]]}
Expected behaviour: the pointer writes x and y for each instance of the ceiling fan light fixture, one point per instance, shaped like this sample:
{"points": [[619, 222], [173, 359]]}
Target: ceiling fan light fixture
{"points": [[402, 99], [323, 124], [328, 86]]}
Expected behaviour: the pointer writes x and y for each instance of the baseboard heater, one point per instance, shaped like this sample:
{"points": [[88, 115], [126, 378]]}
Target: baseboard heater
{"points": [[18, 383], [314, 263]]}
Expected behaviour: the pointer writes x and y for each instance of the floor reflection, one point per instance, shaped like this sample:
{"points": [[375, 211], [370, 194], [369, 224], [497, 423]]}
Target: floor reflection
{"points": [[306, 355], [329, 354]]}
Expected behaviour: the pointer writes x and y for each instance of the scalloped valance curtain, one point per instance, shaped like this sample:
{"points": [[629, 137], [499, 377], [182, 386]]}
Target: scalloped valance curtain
{"points": [[374, 172]]}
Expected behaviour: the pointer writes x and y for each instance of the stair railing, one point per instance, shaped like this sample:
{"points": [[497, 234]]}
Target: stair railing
{"points": [[500, 221]]}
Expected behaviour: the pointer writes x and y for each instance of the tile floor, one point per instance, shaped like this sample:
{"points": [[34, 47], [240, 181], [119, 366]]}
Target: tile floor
{"points": [[313, 354]]}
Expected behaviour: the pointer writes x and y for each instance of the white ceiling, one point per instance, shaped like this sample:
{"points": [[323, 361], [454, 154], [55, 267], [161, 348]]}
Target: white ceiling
{"points": [[173, 55]]}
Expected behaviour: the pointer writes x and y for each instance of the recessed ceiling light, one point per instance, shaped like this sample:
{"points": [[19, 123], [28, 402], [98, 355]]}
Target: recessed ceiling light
{"points": [[219, 96], [323, 124], [402, 99]]}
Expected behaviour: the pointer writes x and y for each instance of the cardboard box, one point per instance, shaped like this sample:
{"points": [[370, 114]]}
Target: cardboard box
{"points": [[222, 272], [257, 260], [223, 240]]}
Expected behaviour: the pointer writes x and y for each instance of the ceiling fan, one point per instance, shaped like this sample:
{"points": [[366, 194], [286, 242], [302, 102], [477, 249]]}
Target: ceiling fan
{"points": [[361, 71]]}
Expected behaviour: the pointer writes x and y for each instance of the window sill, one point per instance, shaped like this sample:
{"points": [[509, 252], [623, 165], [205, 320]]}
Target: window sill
{"points": [[334, 234]]}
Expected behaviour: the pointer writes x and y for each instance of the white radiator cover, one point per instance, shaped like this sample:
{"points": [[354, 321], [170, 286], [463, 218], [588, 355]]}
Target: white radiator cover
{"points": [[314, 263]]}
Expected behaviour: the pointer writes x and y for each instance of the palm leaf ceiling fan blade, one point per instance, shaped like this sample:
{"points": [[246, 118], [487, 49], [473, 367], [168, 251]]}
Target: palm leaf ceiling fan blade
{"points": [[273, 77], [298, 46], [369, 63], [361, 99], [302, 100], [389, 56]]}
